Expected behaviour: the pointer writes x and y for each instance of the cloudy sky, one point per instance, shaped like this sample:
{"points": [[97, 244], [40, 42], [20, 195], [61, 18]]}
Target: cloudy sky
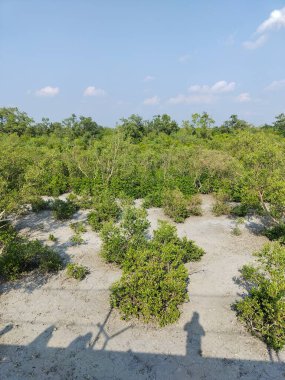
{"points": [[109, 59]]}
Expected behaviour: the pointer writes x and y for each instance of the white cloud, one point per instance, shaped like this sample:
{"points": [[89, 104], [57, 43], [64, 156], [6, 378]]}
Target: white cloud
{"points": [[47, 91], [191, 99], [255, 44], [244, 97], [276, 20], [276, 85], [217, 88], [184, 58], [203, 94], [149, 78], [151, 101], [94, 91]]}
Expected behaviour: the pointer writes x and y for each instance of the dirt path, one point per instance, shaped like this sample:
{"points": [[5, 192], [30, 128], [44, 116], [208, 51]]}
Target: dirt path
{"points": [[58, 328]]}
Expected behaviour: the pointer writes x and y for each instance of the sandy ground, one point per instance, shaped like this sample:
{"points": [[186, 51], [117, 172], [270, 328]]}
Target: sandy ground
{"points": [[58, 328]]}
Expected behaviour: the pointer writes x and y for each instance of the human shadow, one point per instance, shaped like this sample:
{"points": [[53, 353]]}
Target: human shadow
{"points": [[81, 359], [195, 332]]}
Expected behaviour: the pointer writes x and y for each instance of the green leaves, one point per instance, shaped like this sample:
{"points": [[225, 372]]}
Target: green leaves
{"points": [[154, 280], [263, 309]]}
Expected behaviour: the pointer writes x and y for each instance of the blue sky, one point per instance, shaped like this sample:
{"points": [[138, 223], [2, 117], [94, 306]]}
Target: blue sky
{"points": [[109, 59]]}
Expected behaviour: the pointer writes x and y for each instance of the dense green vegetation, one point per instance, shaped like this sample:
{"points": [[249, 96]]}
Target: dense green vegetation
{"points": [[149, 159], [167, 165], [19, 255], [154, 280], [263, 309]]}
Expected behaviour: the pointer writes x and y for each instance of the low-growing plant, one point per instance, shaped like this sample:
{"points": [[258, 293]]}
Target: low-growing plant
{"points": [[194, 205], [63, 210], [175, 205], [276, 232], [52, 238], [76, 239], [236, 229], [167, 233], [21, 255], [154, 281], [153, 199], [78, 227], [154, 286], [79, 272], [131, 232], [240, 210], [38, 204], [263, 308], [7, 233], [221, 208], [105, 209]]}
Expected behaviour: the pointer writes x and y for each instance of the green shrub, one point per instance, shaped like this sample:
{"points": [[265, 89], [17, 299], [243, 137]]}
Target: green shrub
{"points": [[63, 210], [7, 233], [167, 233], [276, 233], [236, 229], [38, 204], [240, 210], [130, 233], [79, 272], [154, 286], [105, 209], [263, 308], [115, 243], [134, 222], [78, 227], [153, 200], [154, 281], [52, 238], [221, 208], [76, 239], [194, 205], [175, 205], [20, 255]]}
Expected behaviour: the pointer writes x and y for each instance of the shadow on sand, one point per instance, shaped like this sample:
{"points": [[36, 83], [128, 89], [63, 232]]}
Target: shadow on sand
{"points": [[83, 360]]}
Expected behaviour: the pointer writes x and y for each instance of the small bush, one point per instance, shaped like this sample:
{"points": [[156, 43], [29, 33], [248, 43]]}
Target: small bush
{"points": [[154, 287], [276, 233], [79, 272], [115, 243], [236, 230], [38, 204], [240, 210], [78, 227], [263, 308], [194, 205], [105, 209], [175, 205], [166, 233], [7, 233], [76, 239], [130, 233], [221, 208], [63, 210], [52, 238], [154, 281], [153, 200], [20, 255]]}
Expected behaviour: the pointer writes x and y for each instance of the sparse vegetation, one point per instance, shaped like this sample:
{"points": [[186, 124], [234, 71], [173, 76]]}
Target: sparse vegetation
{"points": [[52, 238], [79, 272]]}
